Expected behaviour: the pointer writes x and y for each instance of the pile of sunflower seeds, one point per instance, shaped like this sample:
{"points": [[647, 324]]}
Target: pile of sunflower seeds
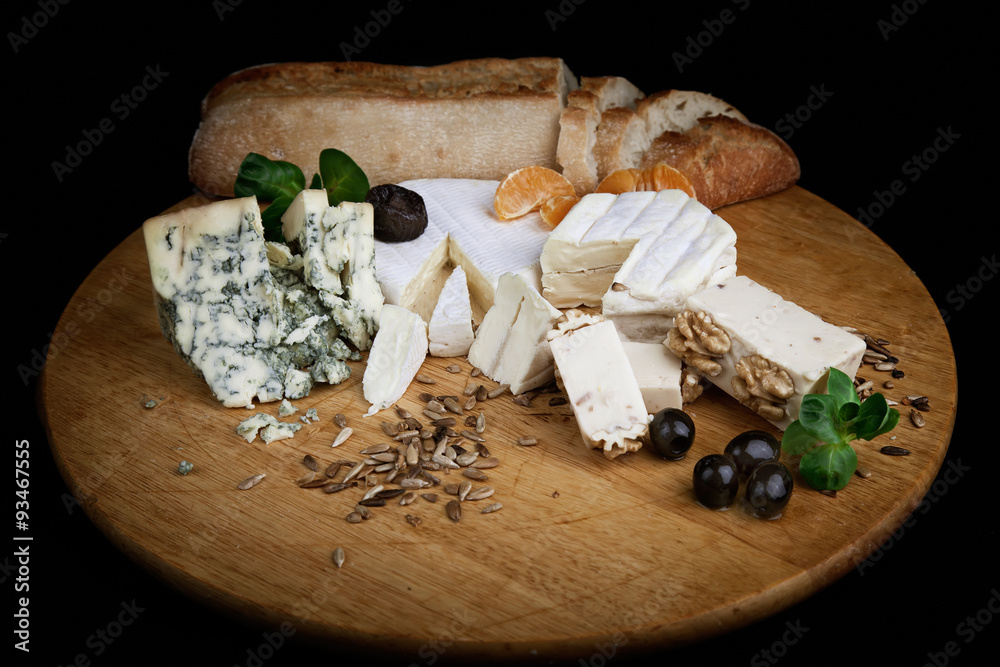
{"points": [[878, 357]]}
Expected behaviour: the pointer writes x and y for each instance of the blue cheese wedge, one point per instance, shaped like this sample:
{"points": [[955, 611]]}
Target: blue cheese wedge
{"points": [[396, 355], [594, 371], [510, 345], [637, 255], [763, 350], [449, 331], [216, 300], [337, 245]]}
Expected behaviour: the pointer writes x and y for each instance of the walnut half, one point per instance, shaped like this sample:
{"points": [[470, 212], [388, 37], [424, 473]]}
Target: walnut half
{"points": [[762, 386], [697, 341]]}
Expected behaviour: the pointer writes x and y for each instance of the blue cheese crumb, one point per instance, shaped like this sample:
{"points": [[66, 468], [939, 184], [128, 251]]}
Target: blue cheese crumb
{"points": [[286, 408], [184, 467], [312, 414]]}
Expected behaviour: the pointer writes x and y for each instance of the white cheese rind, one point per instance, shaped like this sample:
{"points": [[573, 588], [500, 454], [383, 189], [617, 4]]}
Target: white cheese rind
{"points": [[761, 322], [450, 329], [216, 300], [395, 357], [637, 255], [606, 399], [462, 229], [657, 372], [510, 345]]}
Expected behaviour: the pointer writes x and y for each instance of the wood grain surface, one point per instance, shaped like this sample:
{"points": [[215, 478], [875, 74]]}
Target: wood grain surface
{"points": [[585, 551]]}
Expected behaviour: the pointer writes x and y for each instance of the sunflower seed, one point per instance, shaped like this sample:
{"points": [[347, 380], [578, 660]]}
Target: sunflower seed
{"points": [[444, 461], [340, 420], [475, 372], [355, 471], [481, 393], [384, 467], [865, 386], [407, 497], [391, 475], [308, 477], [479, 493], [375, 449], [424, 379], [482, 450], [480, 422], [898, 374], [402, 412], [451, 405], [558, 400], [472, 435], [390, 429], [884, 366], [470, 389], [451, 489], [377, 501], [527, 441], [250, 481], [334, 487], [917, 419], [310, 462], [338, 556], [453, 368], [476, 474], [489, 509], [353, 517], [889, 384], [497, 391], [414, 483], [522, 399], [372, 491], [466, 459], [429, 497], [342, 437], [463, 489], [892, 450], [363, 511], [485, 463], [413, 520], [443, 422], [454, 510], [862, 472]]}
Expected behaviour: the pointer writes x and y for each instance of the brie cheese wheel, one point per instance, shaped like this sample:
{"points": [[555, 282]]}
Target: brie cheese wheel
{"points": [[637, 255], [399, 349], [449, 332], [777, 352], [462, 230], [510, 345], [595, 373], [658, 373]]}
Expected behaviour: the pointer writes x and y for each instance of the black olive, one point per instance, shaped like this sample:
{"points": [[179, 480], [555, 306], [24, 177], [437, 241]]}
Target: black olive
{"points": [[671, 432], [751, 448], [768, 489], [716, 481], [400, 213]]}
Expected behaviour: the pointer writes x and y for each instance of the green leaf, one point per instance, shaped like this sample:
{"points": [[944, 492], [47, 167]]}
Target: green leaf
{"points": [[819, 415], [871, 417], [796, 440], [268, 179], [891, 420], [828, 467], [841, 387], [270, 218], [343, 179], [316, 183]]}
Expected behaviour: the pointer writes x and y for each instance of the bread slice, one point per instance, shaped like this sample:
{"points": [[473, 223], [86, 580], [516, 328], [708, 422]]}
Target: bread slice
{"points": [[468, 119], [726, 159], [612, 91], [623, 139]]}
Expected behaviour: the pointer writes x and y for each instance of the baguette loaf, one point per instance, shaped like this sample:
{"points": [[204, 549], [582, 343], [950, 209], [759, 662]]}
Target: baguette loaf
{"points": [[470, 119], [727, 160]]}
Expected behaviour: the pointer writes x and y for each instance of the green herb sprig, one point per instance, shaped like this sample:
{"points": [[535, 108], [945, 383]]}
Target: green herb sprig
{"points": [[278, 181], [827, 425]]}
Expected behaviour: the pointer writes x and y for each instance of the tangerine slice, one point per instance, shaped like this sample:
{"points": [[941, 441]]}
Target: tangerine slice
{"points": [[524, 190], [554, 209], [658, 177]]}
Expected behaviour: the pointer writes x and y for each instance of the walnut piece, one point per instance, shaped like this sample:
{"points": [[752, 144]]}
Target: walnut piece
{"points": [[696, 340], [762, 386], [691, 385]]}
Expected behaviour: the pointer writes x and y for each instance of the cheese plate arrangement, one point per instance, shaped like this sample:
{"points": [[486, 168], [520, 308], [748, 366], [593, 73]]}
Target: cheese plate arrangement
{"points": [[628, 385]]}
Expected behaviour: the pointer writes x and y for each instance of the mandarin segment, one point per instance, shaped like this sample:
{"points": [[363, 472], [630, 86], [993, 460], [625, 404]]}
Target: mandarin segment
{"points": [[554, 209], [659, 177], [526, 189]]}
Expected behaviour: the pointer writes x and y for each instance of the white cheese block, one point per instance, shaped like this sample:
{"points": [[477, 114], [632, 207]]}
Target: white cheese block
{"points": [[658, 373], [462, 229], [216, 300], [762, 324], [607, 402], [450, 330], [337, 245], [399, 349], [637, 255], [510, 345]]}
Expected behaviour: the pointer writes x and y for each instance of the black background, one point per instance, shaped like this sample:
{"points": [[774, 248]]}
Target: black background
{"points": [[893, 76]]}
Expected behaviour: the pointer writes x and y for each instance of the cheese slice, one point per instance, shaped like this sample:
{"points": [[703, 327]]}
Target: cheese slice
{"points": [[770, 337], [658, 374], [510, 345], [462, 230], [397, 352], [216, 300], [607, 402], [450, 330], [637, 255]]}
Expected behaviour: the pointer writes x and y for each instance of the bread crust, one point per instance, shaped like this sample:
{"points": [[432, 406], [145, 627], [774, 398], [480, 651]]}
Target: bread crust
{"points": [[727, 160], [478, 118]]}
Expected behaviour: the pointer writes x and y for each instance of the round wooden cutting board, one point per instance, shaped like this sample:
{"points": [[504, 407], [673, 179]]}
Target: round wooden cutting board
{"points": [[584, 552]]}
